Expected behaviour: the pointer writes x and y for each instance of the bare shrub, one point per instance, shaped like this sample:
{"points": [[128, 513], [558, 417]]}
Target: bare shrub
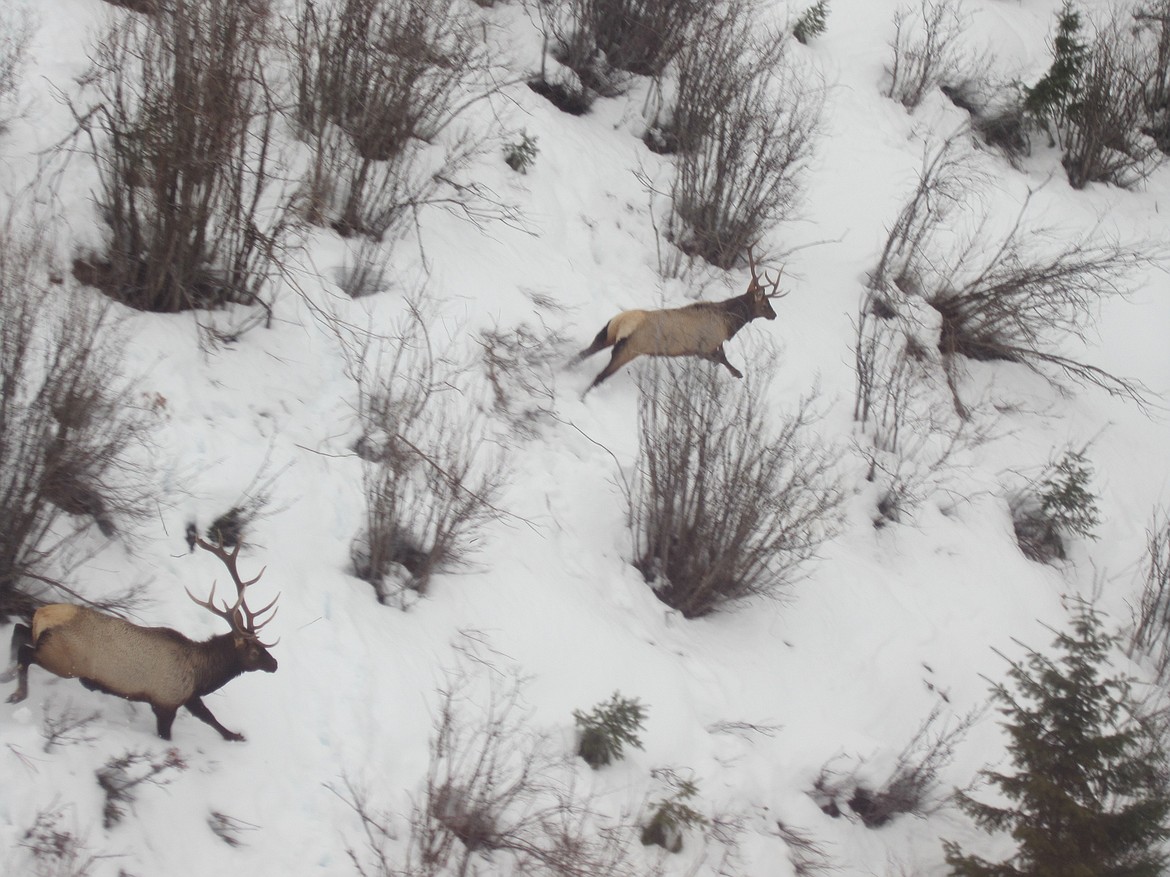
{"points": [[519, 365], [744, 123], [639, 36], [181, 131], [229, 528], [229, 828], [431, 472], [1008, 296], [807, 857], [497, 796], [17, 28], [53, 847], [366, 269], [376, 82], [927, 50], [67, 727], [1152, 18], [909, 434], [1151, 631], [570, 29], [912, 786], [120, 777], [1105, 140], [1012, 297], [727, 500], [69, 422]]}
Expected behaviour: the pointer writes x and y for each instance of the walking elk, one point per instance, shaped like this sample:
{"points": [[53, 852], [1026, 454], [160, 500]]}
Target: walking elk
{"points": [[698, 329], [155, 665]]}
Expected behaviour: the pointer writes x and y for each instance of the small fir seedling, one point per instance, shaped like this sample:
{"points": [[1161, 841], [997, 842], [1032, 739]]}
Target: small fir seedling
{"points": [[520, 156], [812, 22], [1055, 95], [672, 817], [608, 728], [1065, 497]]}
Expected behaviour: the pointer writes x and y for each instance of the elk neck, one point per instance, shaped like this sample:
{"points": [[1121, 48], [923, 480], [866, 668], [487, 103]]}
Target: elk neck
{"points": [[737, 312], [218, 663]]}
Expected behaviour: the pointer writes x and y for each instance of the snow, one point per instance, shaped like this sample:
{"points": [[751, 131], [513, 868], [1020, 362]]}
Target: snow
{"points": [[888, 623]]}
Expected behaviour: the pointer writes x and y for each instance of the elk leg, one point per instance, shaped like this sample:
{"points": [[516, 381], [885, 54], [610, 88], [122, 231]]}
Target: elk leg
{"points": [[165, 717], [599, 343], [199, 710], [616, 361], [721, 357], [23, 654]]}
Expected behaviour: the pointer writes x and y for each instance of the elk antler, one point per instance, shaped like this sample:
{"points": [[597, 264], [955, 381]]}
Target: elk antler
{"points": [[757, 286], [239, 616]]}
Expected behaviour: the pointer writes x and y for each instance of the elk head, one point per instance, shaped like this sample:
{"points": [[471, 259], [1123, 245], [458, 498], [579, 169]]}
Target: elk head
{"points": [[758, 296], [253, 654]]}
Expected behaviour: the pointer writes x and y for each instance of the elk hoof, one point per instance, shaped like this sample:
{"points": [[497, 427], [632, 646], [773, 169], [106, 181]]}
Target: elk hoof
{"points": [[234, 737], [17, 696], [736, 374]]}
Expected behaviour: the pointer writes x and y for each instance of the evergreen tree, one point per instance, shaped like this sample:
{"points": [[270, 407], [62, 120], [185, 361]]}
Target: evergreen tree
{"points": [[812, 22], [1089, 794], [1065, 497], [1054, 97]]}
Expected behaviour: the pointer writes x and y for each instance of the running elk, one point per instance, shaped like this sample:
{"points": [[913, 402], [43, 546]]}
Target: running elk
{"points": [[155, 665], [698, 329]]}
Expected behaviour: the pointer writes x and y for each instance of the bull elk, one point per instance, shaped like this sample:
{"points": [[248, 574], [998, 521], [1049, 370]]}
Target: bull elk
{"points": [[698, 329], [155, 665]]}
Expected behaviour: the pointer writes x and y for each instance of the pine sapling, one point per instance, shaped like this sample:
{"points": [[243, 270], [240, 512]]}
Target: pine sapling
{"points": [[812, 22], [1065, 498], [606, 730], [672, 817], [1053, 98], [1090, 790]]}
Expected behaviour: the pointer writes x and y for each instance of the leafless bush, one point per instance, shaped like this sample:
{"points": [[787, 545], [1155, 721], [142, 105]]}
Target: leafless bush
{"points": [[69, 421], [1153, 22], [907, 437], [519, 364], [432, 475], [1009, 296], [927, 50], [807, 857], [17, 28], [744, 122], [638, 36], [1105, 139], [120, 777], [912, 786], [229, 528], [366, 269], [1151, 633], [726, 502], [376, 82], [570, 29], [54, 848], [228, 828], [67, 727], [181, 130], [497, 796]]}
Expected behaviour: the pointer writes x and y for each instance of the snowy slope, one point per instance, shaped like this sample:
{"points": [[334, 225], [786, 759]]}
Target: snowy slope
{"points": [[887, 622]]}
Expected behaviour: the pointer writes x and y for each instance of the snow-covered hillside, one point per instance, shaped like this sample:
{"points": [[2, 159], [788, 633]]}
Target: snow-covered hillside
{"points": [[755, 704]]}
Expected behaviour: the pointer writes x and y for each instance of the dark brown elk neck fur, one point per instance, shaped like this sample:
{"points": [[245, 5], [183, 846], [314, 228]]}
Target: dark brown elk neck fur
{"points": [[216, 662], [737, 312]]}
